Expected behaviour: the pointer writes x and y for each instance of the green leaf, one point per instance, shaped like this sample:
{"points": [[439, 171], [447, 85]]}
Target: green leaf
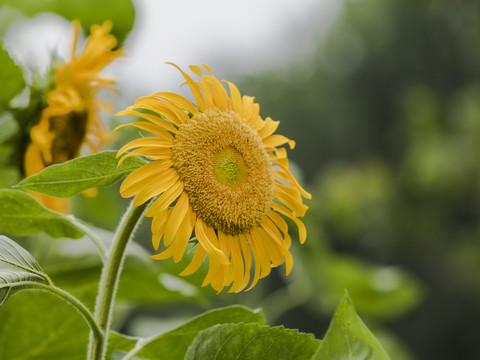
{"points": [[349, 338], [80, 174], [11, 78], [21, 214], [117, 341], [17, 268], [383, 292], [252, 341], [89, 12], [173, 345], [37, 325], [148, 285]]}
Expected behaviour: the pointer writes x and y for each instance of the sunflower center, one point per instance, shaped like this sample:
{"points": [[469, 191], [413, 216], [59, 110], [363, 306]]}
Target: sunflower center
{"points": [[225, 170], [229, 166], [70, 131]]}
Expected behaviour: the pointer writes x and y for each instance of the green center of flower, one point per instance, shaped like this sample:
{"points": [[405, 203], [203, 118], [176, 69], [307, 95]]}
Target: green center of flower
{"points": [[229, 167]]}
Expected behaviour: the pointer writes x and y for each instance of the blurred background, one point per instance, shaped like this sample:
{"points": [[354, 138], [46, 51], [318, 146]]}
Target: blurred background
{"points": [[383, 100]]}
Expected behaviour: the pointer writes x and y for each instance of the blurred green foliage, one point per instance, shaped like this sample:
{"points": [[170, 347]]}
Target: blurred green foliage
{"points": [[386, 115], [11, 78]]}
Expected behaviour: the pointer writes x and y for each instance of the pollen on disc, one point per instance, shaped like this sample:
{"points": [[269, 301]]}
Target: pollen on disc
{"points": [[225, 170]]}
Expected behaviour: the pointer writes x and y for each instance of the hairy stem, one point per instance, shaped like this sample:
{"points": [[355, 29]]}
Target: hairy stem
{"points": [[110, 277]]}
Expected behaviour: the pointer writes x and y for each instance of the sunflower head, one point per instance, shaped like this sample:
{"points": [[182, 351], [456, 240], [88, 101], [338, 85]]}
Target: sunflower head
{"points": [[70, 119], [219, 173]]}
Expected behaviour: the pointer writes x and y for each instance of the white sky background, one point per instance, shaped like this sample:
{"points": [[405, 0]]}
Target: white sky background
{"points": [[233, 37]]}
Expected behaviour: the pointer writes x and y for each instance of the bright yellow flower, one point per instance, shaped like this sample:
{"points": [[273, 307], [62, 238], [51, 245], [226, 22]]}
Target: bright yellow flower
{"points": [[71, 120], [220, 174]]}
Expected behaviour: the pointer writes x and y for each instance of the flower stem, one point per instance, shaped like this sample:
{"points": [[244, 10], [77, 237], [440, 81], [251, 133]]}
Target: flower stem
{"points": [[110, 277], [98, 334]]}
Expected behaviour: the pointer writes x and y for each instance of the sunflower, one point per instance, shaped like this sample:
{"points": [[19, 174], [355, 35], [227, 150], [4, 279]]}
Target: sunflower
{"points": [[220, 174], [70, 119]]}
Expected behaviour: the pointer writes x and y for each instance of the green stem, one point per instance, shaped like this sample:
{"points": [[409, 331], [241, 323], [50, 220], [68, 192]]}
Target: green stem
{"points": [[110, 277], [81, 308]]}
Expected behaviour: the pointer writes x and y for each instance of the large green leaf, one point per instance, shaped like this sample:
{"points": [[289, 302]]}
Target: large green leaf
{"points": [[17, 268], [173, 345], [37, 325], [117, 341], [11, 78], [252, 341], [89, 12], [21, 214], [349, 338], [80, 174]]}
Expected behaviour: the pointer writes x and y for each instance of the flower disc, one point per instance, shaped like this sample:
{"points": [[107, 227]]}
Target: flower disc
{"points": [[70, 131], [225, 169]]}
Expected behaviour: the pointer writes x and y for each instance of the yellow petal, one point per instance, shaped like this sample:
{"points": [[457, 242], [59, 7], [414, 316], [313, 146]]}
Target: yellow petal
{"points": [[270, 246], [196, 69], [247, 257], [277, 140], [156, 154], [207, 68], [258, 265], [196, 262], [237, 264], [260, 255], [302, 232], [251, 111], [268, 128], [282, 225], [150, 188], [132, 111], [287, 176], [178, 215], [153, 142], [193, 88], [220, 95], [149, 172], [215, 276], [289, 201], [183, 235], [33, 160], [177, 100], [154, 129], [177, 249], [292, 191], [158, 228], [236, 98], [207, 93], [165, 200], [208, 239], [156, 106], [224, 242], [277, 242]]}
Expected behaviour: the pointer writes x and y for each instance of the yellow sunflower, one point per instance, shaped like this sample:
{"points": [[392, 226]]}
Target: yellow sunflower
{"points": [[220, 175], [71, 119]]}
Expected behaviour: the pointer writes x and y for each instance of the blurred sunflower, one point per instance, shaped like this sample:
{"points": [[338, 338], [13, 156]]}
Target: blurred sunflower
{"points": [[221, 175], [71, 119]]}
